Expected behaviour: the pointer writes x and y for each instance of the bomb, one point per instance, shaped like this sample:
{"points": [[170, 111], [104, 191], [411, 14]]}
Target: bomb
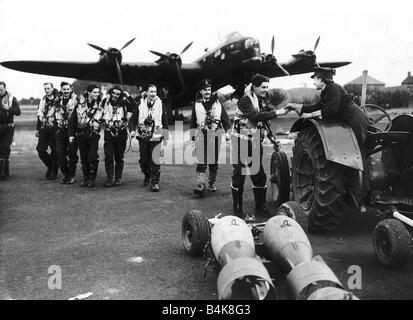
{"points": [[242, 272], [308, 277]]}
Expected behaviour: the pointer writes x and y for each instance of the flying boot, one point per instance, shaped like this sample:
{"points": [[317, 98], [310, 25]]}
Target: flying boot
{"points": [[65, 172], [109, 175], [212, 178], [118, 174], [2, 171], [6, 168], [93, 174], [147, 178], [54, 170], [259, 196], [237, 200], [86, 175], [72, 173], [200, 187]]}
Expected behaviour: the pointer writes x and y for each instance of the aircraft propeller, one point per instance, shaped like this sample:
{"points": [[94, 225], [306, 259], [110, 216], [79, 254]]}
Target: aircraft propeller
{"points": [[115, 55], [316, 43], [274, 59], [174, 59], [308, 53]]}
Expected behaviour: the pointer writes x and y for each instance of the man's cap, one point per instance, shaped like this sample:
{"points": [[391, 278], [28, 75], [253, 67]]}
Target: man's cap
{"points": [[204, 84], [324, 72]]}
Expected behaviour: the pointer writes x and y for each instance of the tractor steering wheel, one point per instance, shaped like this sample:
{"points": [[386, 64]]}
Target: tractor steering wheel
{"points": [[369, 108]]}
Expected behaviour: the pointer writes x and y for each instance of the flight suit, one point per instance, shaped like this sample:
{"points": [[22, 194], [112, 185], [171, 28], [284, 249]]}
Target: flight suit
{"points": [[66, 152], [209, 120], [46, 128], [85, 124], [152, 123], [9, 107], [248, 131], [115, 122]]}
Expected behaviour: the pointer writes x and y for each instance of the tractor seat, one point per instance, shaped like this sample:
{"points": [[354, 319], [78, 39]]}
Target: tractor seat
{"points": [[376, 142]]}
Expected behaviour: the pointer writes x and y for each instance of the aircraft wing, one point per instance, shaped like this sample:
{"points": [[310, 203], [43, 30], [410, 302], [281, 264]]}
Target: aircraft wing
{"points": [[133, 73], [297, 66]]}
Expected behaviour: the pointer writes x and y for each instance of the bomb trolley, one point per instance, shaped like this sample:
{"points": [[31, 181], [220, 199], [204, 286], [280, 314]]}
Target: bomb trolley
{"points": [[242, 254]]}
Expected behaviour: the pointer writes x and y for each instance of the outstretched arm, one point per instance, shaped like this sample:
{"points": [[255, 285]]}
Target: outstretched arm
{"points": [[246, 107]]}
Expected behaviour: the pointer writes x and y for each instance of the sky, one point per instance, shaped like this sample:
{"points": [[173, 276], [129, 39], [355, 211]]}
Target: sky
{"points": [[374, 35]]}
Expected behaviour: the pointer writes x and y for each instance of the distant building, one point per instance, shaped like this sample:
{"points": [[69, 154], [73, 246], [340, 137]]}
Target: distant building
{"points": [[408, 81], [371, 83]]}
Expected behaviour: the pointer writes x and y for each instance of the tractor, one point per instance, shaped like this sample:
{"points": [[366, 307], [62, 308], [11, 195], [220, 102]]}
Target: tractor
{"points": [[330, 170]]}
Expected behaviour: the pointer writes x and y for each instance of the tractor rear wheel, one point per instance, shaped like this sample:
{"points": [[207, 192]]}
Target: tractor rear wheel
{"points": [[391, 241], [280, 178], [196, 232], [318, 184]]}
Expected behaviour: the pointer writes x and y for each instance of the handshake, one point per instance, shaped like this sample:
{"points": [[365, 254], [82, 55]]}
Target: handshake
{"points": [[294, 107], [297, 107], [289, 107]]}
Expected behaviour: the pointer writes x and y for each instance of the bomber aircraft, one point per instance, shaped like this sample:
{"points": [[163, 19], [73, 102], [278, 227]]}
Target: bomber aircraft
{"points": [[232, 62]]}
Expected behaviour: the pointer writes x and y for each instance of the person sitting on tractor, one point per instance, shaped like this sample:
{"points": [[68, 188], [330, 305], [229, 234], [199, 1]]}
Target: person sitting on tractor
{"points": [[335, 103]]}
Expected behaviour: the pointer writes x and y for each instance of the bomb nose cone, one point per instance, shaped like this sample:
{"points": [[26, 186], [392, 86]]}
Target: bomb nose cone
{"points": [[332, 293], [244, 278]]}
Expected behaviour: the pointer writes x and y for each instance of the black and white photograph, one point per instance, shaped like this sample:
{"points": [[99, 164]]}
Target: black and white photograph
{"points": [[187, 151]]}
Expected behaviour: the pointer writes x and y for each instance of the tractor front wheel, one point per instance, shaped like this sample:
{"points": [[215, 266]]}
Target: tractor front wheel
{"points": [[391, 241]]}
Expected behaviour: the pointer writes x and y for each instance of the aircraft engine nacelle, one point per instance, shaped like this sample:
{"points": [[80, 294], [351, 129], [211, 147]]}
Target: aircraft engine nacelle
{"points": [[233, 246], [111, 56], [308, 277], [265, 57], [169, 58]]}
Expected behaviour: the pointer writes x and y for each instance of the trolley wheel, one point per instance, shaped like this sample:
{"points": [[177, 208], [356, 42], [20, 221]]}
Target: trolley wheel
{"points": [[196, 232]]}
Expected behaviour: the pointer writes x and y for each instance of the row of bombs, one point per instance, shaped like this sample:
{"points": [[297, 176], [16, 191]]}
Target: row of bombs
{"points": [[233, 245]]}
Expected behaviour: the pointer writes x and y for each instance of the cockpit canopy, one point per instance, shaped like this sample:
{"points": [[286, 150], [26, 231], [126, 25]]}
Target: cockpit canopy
{"points": [[251, 43]]}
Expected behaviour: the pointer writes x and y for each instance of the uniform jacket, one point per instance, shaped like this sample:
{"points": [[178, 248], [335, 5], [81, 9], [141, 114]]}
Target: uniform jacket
{"points": [[46, 111], [138, 115], [115, 114], [334, 102], [9, 107], [86, 116], [65, 109], [213, 107], [246, 109]]}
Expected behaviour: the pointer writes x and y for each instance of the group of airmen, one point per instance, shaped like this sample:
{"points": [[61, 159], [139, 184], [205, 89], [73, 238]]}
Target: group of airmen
{"points": [[67, 123]]}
